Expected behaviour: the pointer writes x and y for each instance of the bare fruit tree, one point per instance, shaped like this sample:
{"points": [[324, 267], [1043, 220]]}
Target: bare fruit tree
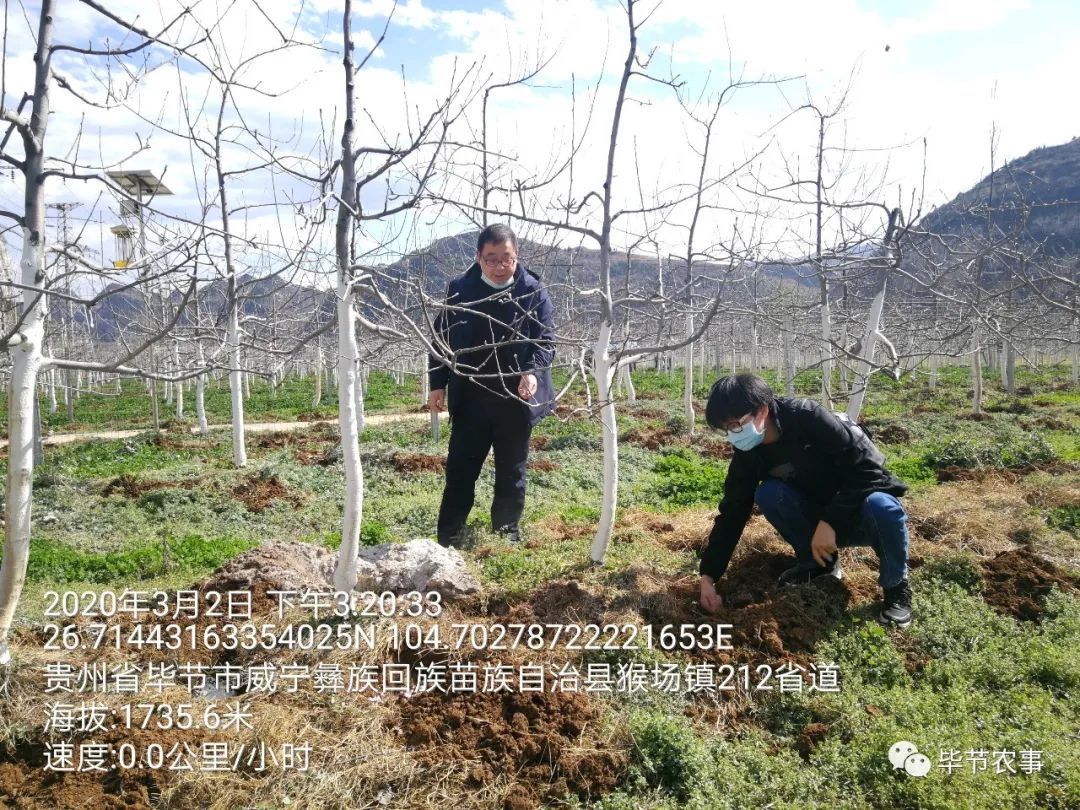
{"points": [[42, 166]]}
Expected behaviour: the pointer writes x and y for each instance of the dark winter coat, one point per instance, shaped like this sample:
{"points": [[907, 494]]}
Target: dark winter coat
{"points": [[496, 332], [830, 463]]}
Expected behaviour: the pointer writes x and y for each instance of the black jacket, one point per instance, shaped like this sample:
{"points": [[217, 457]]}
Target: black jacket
{"points": [[831, 465], [496, 332]]}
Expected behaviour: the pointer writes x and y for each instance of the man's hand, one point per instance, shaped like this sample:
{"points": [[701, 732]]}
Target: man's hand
{"points": [[527, 386], [436, 401], [823, 544], [710, 599]]}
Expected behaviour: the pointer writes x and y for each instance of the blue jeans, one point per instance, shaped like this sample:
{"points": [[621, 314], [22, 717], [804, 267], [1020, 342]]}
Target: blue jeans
{"points": [[882, 525]]}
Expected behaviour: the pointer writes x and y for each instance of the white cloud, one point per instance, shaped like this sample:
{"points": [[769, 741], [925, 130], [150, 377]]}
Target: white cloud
{"points": [[894, 100]]}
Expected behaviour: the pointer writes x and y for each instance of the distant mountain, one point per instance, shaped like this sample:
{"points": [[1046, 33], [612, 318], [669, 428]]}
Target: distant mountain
{"points": [[1035, 198]]}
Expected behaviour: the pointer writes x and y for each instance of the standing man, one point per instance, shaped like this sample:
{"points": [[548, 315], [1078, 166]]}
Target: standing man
{"points": [[497, 338], [821, 484]]}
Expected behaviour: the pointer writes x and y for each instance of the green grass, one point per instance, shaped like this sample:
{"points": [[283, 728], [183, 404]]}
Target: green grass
{"points": [[194, 556], [962, 677], [131, 409]]}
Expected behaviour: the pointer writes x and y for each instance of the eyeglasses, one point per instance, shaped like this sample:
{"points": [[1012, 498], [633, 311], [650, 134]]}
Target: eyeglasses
{"points": [[739, 425], [495, 261]]}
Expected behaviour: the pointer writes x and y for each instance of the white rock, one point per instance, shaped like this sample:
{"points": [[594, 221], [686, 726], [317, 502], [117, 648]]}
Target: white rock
{"points": [[419, 565]]}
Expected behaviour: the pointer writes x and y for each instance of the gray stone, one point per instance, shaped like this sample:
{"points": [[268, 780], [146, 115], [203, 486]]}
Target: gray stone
{"points": [[419, 565]]}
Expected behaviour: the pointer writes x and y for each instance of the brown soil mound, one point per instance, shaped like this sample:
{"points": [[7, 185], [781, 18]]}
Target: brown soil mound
{"points": [[543, 465], [258, 493], [975, 417], [1052, 423], [538, 739], [539, 442], [131, 487], [1017, 582], [894, 433], [810, 737], [651, 438], [712, 446], [649, 413], [768, 625], [273, 566], [417, 462], [25, 784]]}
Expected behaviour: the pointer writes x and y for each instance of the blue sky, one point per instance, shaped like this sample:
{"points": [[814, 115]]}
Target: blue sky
{"points": [[954, 70]]}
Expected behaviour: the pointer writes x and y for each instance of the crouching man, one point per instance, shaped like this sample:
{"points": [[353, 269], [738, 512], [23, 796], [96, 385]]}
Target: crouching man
{"points": [[818, 481]]}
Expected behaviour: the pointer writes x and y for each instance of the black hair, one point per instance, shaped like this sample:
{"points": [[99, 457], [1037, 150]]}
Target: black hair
{"points": [[734, 396], [494, 235]]}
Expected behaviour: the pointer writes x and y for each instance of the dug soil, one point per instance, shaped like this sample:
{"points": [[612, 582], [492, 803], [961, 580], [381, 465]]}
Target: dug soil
{"points": [[417, 462], [545, 741], [1016, 583], [258, 494]]}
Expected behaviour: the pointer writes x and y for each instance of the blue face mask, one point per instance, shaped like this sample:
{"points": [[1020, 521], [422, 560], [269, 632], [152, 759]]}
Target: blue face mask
{"points": [[747, 437]]}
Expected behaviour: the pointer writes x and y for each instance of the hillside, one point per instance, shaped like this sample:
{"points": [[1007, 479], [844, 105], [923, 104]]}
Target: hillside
{"points": [[1035, 198]]}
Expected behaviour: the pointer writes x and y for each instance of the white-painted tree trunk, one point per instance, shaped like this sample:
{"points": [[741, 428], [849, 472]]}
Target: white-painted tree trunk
{"points": [[53, 406], [826, 355], [316, 400], [845, 377], [26, 362], [628, 383], [603, 375], [754, 346], [358, 384], [976, 373], [789, 357], [688, 379], [863, 369], [179, 386], [1010, 369], [345, 571], [236, 387], [935, 361]]}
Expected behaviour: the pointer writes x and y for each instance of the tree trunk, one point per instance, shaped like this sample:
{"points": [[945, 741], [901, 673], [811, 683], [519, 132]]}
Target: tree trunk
{"points": [[826, 350], [976, 373], [345, 571], [603, 375], [789, 357], [236, 384], [688, 379], [754, 346], [358, 383], [628, 384], [1010, 369], [200, 398], [179, 386], [862, 375]]}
